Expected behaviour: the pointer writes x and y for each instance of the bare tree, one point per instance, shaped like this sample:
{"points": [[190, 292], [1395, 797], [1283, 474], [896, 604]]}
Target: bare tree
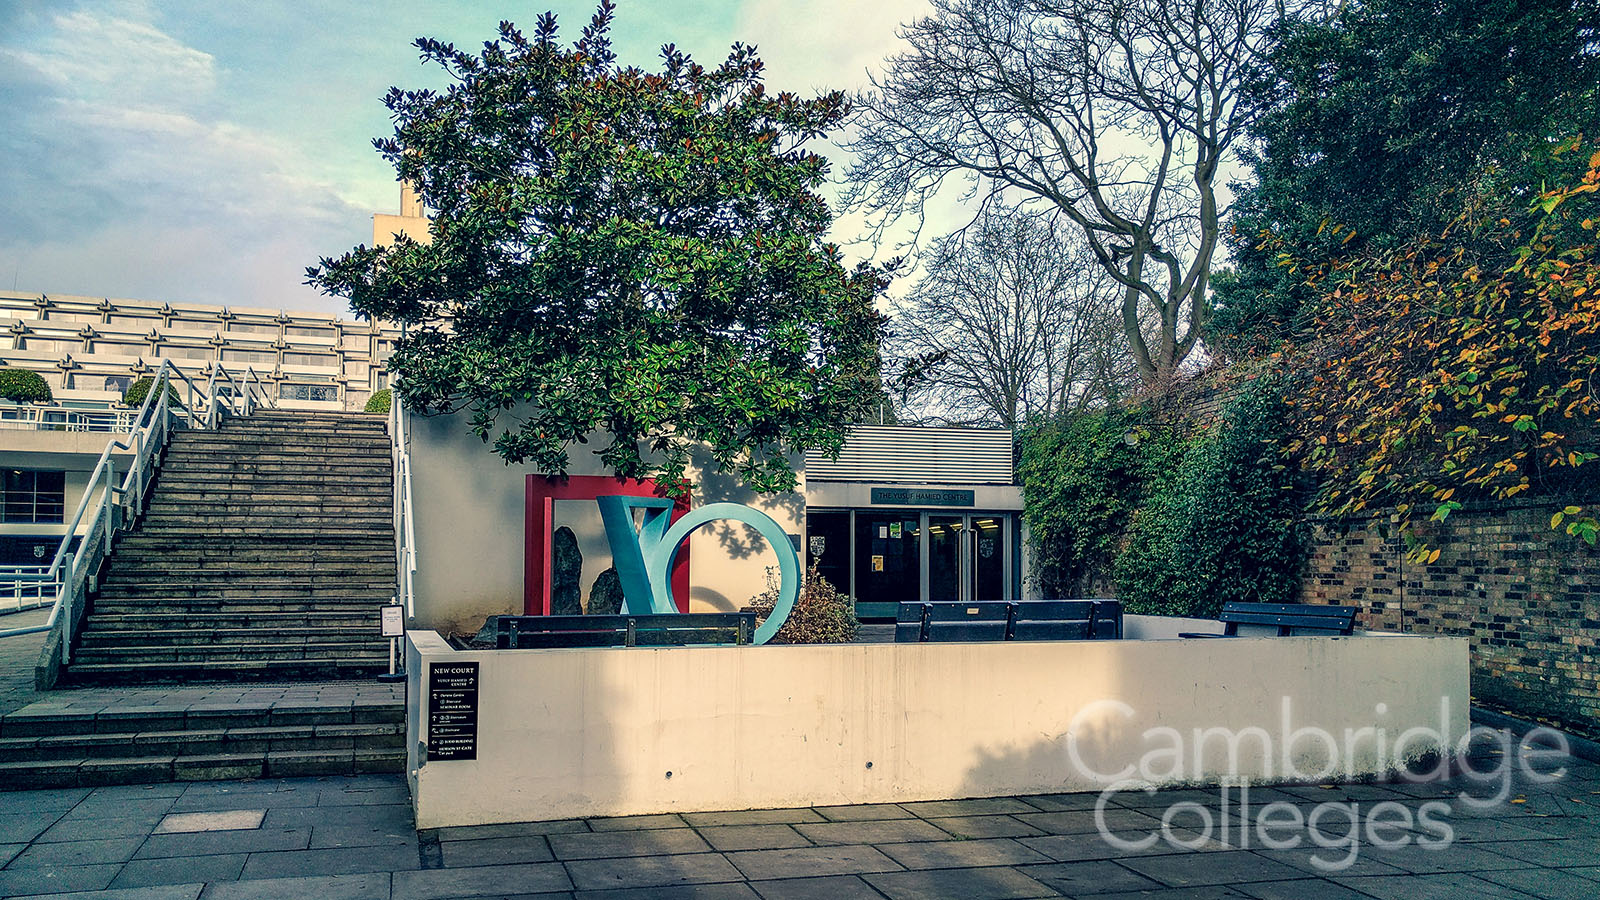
{"points": [[1113, 114], [1012, 322]]}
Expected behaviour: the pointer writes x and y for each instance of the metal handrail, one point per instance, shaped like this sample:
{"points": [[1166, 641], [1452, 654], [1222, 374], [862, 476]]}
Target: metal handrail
{"points": [[118, 506], [405, 535]]}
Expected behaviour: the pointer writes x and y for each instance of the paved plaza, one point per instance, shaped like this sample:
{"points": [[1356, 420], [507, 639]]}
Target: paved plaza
{"points": [[352, 838]]}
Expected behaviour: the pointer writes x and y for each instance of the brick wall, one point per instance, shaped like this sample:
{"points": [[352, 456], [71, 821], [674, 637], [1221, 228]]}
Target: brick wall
{"points": [[1527, 596]]}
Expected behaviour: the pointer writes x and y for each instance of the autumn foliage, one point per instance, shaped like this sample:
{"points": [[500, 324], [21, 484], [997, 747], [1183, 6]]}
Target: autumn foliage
{"points": [[1460, 366]]}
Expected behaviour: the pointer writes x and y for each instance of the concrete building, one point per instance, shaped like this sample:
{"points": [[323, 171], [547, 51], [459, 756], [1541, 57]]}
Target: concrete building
{"points": [[905, 513], [90, 348]]}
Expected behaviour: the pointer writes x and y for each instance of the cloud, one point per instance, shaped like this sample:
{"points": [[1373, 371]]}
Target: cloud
{"points": [[120, 171], [807, 43], [118, 60]]}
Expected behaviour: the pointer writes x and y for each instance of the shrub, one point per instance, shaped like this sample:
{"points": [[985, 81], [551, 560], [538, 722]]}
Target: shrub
{"points": [[379, 402], [1081, 482], [1227, 524], [23, 386], [136, 392], [821, 614]]}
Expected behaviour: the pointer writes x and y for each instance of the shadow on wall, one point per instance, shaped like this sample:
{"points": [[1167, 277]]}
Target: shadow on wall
{"points": [[739, 540], [1052, 764]]}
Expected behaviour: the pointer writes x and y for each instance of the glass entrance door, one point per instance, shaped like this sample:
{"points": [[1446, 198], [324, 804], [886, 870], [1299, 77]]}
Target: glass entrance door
{"points": [[946, 536], [966, 557]]}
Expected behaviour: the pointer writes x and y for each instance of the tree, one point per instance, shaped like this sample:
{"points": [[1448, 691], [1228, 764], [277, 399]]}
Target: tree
{"points": [[1371, 128], [1460, 365], [1012, 323], [637, 253], [1114, 114]]}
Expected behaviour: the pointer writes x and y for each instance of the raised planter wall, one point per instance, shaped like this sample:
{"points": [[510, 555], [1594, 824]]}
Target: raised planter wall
{"points": [[566, 733]]}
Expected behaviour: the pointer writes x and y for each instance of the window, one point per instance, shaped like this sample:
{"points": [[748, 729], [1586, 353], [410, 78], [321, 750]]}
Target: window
{"points": [[138, 321], [252, 328], [118, 383], [308, 331], [251, 357], [327, 393], [32, 497], [57, 315], [309, 359], [49, 345], [184, 352], [112, 348]]}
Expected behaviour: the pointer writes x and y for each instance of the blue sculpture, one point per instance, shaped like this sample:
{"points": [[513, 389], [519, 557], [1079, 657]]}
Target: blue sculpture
{"points": [[644, 558]]}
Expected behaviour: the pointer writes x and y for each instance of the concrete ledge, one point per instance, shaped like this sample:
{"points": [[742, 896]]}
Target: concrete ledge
{"points": [[622, 731]]}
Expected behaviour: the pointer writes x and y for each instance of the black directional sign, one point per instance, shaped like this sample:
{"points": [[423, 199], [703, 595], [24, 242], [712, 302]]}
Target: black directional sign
{"points": [[452, 711]]}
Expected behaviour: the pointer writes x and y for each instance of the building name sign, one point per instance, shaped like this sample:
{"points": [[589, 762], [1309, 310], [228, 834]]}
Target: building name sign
{"points": [[452, 711], [916, 497]]}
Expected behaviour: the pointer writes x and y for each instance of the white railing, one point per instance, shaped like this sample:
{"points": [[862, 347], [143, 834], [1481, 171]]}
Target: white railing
{"points": [[108, 508], [56, 418], [24, 588], [405, 535]]}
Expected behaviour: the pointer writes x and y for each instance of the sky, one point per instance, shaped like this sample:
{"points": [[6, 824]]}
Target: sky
{"points": [[210, 150]]}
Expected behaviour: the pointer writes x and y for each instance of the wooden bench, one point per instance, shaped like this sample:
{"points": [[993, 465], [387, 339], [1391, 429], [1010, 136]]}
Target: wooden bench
{"points": [[1035, 620], [651, 630], [1288, 618]]}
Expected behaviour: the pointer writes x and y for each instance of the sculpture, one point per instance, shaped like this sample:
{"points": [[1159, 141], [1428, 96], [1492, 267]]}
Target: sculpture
{"points": [[644, 557]]}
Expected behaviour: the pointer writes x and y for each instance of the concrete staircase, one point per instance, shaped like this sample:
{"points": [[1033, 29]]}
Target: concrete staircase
{"points": [[265, 553], [165, 741]]}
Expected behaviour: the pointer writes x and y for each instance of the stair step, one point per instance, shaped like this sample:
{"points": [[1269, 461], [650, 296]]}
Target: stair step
{"points": [[239, 741], [99, 635], [288, 763], [221, 670], [229, 619]]}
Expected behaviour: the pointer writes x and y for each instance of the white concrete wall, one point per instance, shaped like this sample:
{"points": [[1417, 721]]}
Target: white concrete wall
{"points": [[469, 511], [596, 732]]}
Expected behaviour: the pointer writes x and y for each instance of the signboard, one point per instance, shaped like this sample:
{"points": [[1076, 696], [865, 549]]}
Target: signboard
{"points": [[452, 711], [921, 497], [394, 621]]}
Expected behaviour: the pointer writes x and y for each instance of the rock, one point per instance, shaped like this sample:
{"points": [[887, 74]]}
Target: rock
{"points": [[605, 595], [566, 566]]}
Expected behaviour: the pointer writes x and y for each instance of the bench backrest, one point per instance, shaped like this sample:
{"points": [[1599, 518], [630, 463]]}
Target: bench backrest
{"points": [[1053, 620], [1033, 620], [648, 630], [1289, 618], [985, 620]]}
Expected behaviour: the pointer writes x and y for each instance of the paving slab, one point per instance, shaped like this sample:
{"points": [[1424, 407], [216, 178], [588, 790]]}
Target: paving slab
{"points": [[154, 892], [495, 851], [651, 871], [752, 837], [56, 879], [482, 881], [963, 854], [720, 891], [754, 817], [828, 887], [339, 861], [1099, 876], [888, 831], [1199, 869], [367, 886], [959, 884], [76, 853], [1454, 886], [984, 827], [597, 845], [806, 861], [180, 870], [1303, 889]]}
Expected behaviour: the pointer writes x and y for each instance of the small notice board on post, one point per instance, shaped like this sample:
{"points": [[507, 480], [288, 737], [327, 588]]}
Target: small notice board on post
{"points": [[394, 621], [452, 711]]}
